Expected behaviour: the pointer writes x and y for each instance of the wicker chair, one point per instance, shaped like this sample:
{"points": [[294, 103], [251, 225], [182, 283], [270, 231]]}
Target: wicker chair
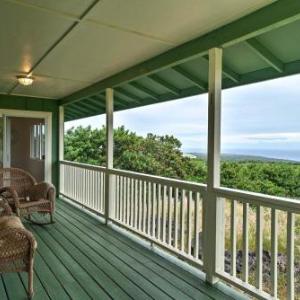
{"points": [[27, 197], [17, 245]]}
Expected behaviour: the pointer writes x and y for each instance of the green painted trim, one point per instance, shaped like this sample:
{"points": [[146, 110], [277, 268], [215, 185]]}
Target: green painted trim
{"points": [[97, 100], [90, 106], [265, 19], [235, 77], [78, 109], [171, 88], [129, 95], [192, 78], [144, 89], [265, 54], [291, 68], [117, 101]]}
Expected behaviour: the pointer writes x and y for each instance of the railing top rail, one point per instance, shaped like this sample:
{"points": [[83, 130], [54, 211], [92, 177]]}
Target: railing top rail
{"points": [[82, 165], [198, 187], [281, 203]]}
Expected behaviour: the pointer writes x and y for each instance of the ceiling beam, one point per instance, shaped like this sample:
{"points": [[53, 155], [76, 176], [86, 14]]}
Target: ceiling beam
{"points": [[145, 90], [76, 110], [192, 78], [69, 115], [117, 100], [129, 95], [91, 107], [263, 20], [171, 88], [97, 100], [228, 72], [265, 54]]}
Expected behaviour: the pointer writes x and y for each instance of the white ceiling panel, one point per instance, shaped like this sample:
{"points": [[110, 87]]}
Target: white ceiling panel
{"points": [[68, 7], [49, 87], [26, 34], [175, 21], [7, 81], [92, 53], [114, 35]]}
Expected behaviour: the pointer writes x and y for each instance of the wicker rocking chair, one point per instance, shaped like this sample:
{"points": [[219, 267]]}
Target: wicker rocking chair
{"points": [[27, 198], [17, 245]]}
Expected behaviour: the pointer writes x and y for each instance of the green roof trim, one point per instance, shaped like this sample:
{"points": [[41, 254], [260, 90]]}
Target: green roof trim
{"points": [[263, 20]]}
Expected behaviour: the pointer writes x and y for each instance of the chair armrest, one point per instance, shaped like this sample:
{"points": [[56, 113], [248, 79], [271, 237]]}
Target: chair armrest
{"points": [[5, 209], [42, 190], [10, 195], [11, 237]]}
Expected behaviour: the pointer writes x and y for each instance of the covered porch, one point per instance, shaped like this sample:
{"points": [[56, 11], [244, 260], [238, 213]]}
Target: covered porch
{"points": [[131, 235]]}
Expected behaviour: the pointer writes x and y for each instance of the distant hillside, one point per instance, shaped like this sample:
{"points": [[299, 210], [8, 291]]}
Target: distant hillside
{"points": [[241, 157]]}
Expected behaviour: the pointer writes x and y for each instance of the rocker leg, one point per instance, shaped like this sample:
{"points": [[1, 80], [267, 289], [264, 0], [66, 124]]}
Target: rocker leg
{"points": [[51, 218], [30, 279]]}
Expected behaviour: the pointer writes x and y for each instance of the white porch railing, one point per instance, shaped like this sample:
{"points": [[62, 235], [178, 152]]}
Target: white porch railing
{"points": [[166, 211], [84, 184], [259, 214], [170, 213]]}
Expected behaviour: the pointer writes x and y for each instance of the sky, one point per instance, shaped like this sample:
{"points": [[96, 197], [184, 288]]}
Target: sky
{"points": [[257, 119]]}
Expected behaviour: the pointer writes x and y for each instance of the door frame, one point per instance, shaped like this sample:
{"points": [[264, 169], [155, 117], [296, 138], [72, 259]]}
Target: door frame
{"points": [[47, 116]]}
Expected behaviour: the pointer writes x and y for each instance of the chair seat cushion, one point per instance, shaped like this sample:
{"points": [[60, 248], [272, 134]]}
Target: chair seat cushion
{"points": [[27, 204], [10, 222]]}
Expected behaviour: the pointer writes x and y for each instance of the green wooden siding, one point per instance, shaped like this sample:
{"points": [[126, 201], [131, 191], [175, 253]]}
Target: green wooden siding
{"points": [[35, 104]]}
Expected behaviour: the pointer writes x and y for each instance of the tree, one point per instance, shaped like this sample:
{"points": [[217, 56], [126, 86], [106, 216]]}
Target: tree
{"points": [[153, 154], [162, 156]]}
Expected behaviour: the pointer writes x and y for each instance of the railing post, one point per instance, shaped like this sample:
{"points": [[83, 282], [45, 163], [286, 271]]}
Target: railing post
{"points": [[109, 178], [61, 131], [213, 206]]}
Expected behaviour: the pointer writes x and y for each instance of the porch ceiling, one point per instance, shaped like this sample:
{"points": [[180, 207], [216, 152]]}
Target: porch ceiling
{"points": [[75, 49]]}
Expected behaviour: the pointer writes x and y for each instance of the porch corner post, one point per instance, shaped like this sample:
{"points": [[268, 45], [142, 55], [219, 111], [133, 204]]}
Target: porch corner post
{"points": [[109, 178], [214, 206], [61, 131]]}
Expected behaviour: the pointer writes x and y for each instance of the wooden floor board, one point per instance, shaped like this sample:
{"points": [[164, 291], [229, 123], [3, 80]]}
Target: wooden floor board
{"points": [[162, 267], [79, 258], [176, 288]]}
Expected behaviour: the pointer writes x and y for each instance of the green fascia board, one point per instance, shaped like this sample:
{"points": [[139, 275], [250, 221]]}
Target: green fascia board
{"points": [[265, 54], [273, 16]]}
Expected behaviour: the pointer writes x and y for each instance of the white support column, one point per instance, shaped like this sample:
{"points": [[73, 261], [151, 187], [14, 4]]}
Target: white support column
{"points": [[61, 132], [109, 180], [214, 207]]}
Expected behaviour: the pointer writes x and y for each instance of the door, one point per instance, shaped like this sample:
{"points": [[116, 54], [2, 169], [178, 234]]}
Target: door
{"points": [[24, 144]]}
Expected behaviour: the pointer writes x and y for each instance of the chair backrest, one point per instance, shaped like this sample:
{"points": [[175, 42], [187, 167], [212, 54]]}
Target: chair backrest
{"points": [[17, 179]]}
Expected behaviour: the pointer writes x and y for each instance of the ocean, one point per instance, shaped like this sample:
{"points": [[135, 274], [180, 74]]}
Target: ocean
{"points": [[284, 154], [293, 155]]}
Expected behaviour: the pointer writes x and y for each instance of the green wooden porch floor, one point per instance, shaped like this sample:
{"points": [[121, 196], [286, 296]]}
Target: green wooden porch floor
{"points": [[79, 258]]}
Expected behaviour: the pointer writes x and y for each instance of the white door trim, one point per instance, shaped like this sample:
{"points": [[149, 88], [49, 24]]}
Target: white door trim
{"points": [[47, 116]]}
